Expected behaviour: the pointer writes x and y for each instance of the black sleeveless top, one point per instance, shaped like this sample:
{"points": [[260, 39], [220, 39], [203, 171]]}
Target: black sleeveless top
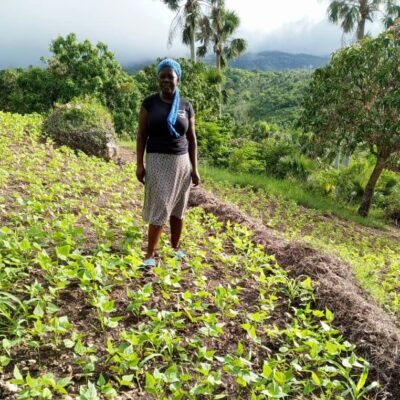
{"points": [[160, 140]]}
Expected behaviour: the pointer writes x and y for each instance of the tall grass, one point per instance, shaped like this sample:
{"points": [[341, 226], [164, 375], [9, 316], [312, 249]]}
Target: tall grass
{"points": [[292, 190], [129, 143]]}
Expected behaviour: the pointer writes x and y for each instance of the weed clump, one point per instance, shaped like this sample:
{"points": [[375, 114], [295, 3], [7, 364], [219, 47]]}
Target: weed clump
{"points": [[82, 124]]}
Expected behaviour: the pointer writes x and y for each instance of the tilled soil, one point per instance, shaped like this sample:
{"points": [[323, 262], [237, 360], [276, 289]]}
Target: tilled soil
{"points": [[356, 314]]}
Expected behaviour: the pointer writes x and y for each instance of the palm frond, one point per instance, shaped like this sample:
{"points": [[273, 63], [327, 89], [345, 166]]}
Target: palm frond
{"points": [[201, 51], [391, 14], [176, 24], [172, 4], [235, 48]]}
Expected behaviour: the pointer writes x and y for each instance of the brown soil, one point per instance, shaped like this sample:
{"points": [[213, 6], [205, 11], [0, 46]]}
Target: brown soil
{"points": [[356, 314]]}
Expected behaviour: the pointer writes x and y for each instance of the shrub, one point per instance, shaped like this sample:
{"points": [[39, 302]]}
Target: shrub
{"points": [[82, 124], [346, 184], [244, 157], [274, 155], [214, 139], [392, 209]]}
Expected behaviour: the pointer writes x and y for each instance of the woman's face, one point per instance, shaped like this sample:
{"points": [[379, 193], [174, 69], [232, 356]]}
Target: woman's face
{"points": [[168, 81]]}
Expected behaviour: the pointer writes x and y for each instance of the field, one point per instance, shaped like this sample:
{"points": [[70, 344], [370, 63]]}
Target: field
{"points": [[373, 254], [79, 318]]}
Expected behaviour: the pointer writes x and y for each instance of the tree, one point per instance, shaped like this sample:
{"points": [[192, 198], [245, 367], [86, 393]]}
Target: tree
{"points": [[217, 32], [359, 92], [199, 85], [80, 68], [353, 14], [392, 13], [189, 16]]}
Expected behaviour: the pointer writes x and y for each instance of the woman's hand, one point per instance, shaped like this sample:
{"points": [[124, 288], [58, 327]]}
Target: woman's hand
{"points": [[140, 173], [195, 178]]}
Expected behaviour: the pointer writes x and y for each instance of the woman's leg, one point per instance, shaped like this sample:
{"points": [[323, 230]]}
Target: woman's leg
{"points": [[176, 231], [154, 235]]}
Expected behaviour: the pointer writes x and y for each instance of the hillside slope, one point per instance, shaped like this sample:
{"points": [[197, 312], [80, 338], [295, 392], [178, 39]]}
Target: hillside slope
{"points": [[278, 61], [80, 319]]}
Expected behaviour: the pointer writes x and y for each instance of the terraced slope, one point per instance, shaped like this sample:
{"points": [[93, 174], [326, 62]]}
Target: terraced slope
{"points": [[80, 319], [373, 254]]}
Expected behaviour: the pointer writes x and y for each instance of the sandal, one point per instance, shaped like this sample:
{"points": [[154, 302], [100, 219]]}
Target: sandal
{"points": [[149, 263], [180, 255]]}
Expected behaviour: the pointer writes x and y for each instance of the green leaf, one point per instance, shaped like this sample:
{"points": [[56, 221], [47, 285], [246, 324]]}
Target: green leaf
{"points": [[267, 370], [280, 378], [38, 311], [315, 379], [68, 343], [329, 315], [150, 384], [17, 374], [239, 348], [363, 379], [63, 252]]}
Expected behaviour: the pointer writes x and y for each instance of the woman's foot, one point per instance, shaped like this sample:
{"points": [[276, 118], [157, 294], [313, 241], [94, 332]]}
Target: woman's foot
{"points": [[180, 255], [149, 263]]}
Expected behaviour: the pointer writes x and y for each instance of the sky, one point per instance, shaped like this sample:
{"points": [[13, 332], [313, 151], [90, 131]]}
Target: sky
{"points": [[137, 30]]}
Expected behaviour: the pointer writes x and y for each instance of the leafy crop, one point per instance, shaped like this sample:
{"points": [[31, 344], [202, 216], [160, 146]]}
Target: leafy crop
{"points": [[374, 254], [79, 317]]}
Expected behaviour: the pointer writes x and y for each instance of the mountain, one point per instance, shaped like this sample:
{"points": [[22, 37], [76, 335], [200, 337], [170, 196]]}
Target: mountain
{"points": [[278, 61], [264, 61]]}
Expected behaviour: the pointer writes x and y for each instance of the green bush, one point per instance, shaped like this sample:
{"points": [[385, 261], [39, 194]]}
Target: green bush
{"points": [[346, 184], [274, 155], [245, 157], [75, 69], [82, 124], [392, 209], [214, 139]]}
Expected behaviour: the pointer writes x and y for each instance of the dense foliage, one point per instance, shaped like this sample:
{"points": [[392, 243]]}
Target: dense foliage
{"points": [[354, 102], [266, 96], [75, 69]]}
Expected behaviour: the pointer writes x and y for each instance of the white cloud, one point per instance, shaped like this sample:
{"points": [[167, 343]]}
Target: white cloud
{"points": [[137, 30]]}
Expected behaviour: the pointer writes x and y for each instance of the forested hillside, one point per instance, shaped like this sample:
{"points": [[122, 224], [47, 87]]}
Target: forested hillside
{"points": [[266, 96], [278, 61], [261, 61]]}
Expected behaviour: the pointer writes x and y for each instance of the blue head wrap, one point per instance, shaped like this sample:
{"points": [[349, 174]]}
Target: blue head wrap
{"points": [[171, 120]]}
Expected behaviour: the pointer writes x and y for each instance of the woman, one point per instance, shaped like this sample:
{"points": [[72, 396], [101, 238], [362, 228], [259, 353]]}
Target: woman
{"points": [[167, 133]]}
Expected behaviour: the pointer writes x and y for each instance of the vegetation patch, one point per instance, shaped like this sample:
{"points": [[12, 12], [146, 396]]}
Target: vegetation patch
{"points": [[79, 317], [82, 124], [372, 252], [375, 335]]}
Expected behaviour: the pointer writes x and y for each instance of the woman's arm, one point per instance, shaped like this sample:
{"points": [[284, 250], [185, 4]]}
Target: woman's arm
{"points": [[141, 144], [191, 136]]}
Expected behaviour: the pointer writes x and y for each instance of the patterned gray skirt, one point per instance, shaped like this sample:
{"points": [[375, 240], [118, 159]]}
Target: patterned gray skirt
{"points": [[167, 184]]}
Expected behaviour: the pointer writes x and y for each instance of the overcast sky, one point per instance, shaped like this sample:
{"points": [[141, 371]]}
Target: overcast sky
{"points": [[137, 30]]}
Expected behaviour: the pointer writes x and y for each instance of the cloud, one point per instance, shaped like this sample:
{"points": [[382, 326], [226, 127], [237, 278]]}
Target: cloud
{"points": [[133, 29], [300, 37], [304, 36], [137, 30]]}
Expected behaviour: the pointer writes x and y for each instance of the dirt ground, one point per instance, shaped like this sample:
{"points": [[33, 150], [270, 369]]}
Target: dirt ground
{"points": [[357, 315]]}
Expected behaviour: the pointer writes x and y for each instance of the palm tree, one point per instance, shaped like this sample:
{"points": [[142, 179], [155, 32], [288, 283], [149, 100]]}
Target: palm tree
{"points": [[353, 14], [392, 13], [189, 15], [217, 31]]}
